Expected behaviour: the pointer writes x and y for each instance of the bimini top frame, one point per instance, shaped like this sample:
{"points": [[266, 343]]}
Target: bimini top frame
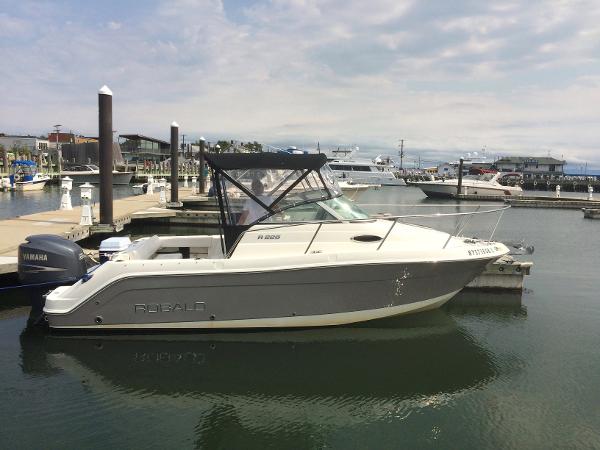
{"points": [[251, 187]]}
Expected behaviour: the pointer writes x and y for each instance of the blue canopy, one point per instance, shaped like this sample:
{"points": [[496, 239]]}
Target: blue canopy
{"points": [[23, 163]]}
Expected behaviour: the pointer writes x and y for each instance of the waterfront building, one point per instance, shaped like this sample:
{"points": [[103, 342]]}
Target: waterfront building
{"points": [[137, 147], [88, 153], [446, 170], [532, 167], [58, 139], [68, 138], [33, 144]]}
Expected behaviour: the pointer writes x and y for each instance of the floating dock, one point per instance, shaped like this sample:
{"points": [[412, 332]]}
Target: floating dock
{"points": [[505, 273], [523, 201], [8, 264], [66, 222]]}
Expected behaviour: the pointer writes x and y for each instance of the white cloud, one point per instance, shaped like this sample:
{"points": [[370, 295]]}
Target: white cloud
{"points": [[521, 78]]}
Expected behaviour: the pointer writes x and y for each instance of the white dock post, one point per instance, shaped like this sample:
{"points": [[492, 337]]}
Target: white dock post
{"points": [[590, 192], [162, 186], [185, 181], [557, 194], [150, 189], [194, 185], [65, 201], [87, 213]]}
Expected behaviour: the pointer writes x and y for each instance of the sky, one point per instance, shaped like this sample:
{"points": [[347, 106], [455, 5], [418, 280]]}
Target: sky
{"points": [[448, 77]]}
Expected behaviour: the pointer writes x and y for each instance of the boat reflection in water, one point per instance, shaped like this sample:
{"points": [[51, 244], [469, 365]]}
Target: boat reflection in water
{"points": [[239, 384]]}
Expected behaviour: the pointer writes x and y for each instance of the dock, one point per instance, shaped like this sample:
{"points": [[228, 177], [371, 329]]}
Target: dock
{"points": [[505, 273], [66, 222], [523, 201], [8, 264]]}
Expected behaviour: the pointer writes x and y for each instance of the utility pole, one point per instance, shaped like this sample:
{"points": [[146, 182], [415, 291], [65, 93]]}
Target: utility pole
{"points": [[401, 152], [57, 131], [183, 152]]}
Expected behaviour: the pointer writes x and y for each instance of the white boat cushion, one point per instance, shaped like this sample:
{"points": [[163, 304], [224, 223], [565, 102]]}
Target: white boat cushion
{"points": [[140, 249]]}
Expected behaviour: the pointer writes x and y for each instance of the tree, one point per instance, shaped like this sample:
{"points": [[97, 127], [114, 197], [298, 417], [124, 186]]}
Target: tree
{"points": [[253, 147], [225, 146], [20, 150]]}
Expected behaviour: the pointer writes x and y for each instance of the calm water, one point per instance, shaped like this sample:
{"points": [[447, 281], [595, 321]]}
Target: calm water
{"points": [[520, 376], [21, 203]]}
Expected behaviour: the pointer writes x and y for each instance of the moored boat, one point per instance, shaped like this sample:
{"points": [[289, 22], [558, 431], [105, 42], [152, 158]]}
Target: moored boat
{"points": [[292, 252], [365, 172], [25, 177], [90, 173], [484, 184]]}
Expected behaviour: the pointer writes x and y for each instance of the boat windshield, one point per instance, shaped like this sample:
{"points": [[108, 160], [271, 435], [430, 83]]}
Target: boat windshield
{"points": [[339, 208], [253, 187], [274, 191]]}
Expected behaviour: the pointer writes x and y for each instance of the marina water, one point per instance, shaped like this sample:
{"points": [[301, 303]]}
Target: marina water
{"points": [[483, 372]]}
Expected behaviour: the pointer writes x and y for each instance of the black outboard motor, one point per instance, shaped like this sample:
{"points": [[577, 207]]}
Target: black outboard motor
{"points": [[45, 262]]}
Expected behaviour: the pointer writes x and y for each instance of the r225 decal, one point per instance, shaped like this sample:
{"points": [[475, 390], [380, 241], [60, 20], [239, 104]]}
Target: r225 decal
{"points": [[268, 236]]}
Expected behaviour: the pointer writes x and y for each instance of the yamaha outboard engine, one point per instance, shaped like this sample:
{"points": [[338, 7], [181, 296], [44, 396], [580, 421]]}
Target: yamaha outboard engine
{"points": [[45, 262]]}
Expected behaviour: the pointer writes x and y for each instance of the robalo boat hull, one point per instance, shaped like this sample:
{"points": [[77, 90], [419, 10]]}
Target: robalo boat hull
{"points": [[300, 297]]}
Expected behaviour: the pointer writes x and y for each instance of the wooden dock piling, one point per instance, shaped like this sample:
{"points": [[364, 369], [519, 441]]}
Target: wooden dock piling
{"points": [[174, 162], [201, 166], [460, 177], [105, 138]]}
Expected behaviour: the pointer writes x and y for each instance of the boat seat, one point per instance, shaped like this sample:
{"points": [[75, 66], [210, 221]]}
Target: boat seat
{"points": [[140, 249]]}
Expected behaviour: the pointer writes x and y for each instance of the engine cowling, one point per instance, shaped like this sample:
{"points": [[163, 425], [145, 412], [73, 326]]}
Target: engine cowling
{"points": [[47, 258]]}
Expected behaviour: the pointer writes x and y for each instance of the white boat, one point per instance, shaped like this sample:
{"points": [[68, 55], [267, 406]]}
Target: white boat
{"points": [[25, 177], [354, 190], [365, 172], [90, 173], [306, 258], [485, 184]]}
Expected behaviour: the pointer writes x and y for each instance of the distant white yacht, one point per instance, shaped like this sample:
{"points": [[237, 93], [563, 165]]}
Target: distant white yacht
{"points": [[363, 171]]}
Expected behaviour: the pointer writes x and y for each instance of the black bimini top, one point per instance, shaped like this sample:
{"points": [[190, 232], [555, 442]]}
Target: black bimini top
{"points": [[233, 161]]}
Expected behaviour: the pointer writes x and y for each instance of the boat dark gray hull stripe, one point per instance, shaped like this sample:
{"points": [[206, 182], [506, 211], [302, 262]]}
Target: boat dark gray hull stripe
{"points": [[155, 299]]}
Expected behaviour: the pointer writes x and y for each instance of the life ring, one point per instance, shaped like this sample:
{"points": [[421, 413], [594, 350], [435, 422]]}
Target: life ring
{"points": [[547, 183], [18, 177], [521, 182]]}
